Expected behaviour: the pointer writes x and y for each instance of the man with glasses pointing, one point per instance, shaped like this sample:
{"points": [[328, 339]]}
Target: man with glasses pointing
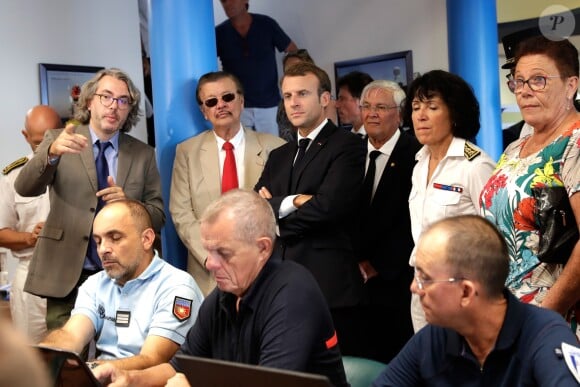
{"points": [[84, 167], [227, 156], [478, 334]]}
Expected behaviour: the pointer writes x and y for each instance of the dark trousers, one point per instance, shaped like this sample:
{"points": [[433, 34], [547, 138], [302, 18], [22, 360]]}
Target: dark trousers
{"points": [[348, 325], [58, 309]]}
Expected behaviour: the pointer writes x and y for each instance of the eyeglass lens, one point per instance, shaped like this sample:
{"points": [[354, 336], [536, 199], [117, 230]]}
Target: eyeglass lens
{"points": [[211, 102]]}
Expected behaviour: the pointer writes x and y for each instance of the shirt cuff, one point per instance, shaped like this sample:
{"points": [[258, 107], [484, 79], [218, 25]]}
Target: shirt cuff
{"points": [[287, 206]]}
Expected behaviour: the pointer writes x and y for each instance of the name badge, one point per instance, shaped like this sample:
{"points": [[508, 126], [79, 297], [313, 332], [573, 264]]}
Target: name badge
{"points": [[123, 318]]}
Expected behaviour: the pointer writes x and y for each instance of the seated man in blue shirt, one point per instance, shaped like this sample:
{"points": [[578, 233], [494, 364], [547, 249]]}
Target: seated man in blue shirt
{"points": [[139, 308], [478, 333], [263, 312]]}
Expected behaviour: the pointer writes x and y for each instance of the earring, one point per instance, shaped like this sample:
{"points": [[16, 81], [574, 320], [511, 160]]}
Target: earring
{"points": [[569, 102]]}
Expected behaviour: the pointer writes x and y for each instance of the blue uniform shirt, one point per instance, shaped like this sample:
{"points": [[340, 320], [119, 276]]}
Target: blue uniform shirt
{"points": [[524, 354], [162, 301]]}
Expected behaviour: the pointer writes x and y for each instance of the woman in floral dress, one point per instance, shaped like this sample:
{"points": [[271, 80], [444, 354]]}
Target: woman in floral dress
{"points": [[546, 82]]}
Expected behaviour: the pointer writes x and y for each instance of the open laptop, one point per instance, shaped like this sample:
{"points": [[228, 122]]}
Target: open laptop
{"points": [[219, 373], [66, 368]]}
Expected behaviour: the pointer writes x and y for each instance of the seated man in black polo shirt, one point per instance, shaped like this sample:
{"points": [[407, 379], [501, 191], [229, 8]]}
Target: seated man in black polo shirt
{"points": [[263, 312]]}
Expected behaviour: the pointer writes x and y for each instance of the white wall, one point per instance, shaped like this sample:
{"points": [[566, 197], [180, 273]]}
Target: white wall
{"points": [[334, 30], [76, 32]]}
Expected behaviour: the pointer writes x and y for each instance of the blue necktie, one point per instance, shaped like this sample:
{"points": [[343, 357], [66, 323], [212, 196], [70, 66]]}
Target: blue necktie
{"points": [[102, 169], [93, 260]]}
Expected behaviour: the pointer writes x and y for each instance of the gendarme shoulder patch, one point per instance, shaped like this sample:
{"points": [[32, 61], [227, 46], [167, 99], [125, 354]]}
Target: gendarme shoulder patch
{"points": [[15, 164], [182, 308], [470, 152]]}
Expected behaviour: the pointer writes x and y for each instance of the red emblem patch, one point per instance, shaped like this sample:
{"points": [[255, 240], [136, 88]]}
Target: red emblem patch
{"points": [[182, 308]]}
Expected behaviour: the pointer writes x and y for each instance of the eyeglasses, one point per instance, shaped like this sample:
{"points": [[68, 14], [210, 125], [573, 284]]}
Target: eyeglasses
{"points": [[422, 282], [510, 82], [377, 108], [535, 83], [122, 102], [211, 102]]}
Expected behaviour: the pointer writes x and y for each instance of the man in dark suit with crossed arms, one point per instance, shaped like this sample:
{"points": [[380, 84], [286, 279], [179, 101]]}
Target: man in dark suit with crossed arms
{"points": [[312, 187]]}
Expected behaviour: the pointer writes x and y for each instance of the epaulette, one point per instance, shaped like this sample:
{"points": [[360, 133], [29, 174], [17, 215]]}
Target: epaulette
{"points": [[15, 164], [470, 152]]}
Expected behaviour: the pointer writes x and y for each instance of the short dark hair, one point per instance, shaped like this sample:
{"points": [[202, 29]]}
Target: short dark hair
{"points": [[138, 212], [457, 95], [301, 54], [475, 250], [215, 76], [355, 82], [89, 88], [303, 68], [562, 52]]}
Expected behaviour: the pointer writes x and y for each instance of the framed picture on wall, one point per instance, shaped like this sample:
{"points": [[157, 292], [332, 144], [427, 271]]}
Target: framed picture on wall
{"points": [[60, 86], [397, 66]]}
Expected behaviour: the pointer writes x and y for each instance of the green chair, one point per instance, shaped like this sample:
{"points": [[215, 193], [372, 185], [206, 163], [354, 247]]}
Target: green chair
{"points": [[361, 372]]}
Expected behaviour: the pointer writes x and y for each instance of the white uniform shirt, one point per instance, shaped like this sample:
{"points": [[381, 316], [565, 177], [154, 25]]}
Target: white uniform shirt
{"points": [[454, 187], [20, 213]]}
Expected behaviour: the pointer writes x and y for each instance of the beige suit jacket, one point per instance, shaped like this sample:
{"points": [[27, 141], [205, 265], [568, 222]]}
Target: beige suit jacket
{"points": [[196, 183]]}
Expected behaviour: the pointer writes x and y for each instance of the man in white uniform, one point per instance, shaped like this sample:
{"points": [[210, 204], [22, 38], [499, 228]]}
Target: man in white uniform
{"points": [[21, 220]]}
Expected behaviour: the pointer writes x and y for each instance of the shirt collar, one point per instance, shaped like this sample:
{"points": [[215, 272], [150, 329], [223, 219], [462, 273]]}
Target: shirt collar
{"points": [[362, 131], [508, 334], [312, 135], [236, 141], [456, 149], [154, 266], [113, 140], [251, 298], [387, 148]]}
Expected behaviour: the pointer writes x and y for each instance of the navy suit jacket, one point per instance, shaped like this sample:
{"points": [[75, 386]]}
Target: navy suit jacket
{"points": [[317, 235]]}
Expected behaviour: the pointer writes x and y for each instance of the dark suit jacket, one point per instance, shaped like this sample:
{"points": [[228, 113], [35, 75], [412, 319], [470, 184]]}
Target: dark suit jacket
{"points": [[384, 234], [317, 234], [60, 252]]}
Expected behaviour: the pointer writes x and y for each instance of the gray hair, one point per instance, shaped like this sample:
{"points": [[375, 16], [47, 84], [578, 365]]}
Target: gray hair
{"points": [[476, 251], [253, 215], [393, 87], [89, 88]]}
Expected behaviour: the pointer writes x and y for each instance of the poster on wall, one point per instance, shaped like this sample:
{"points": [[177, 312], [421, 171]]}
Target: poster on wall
{"points": [[60, 86]]}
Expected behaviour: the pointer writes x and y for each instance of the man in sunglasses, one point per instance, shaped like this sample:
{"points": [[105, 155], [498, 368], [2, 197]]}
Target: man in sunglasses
{"points": [[209, 164], [479, 334], [84, 167]]}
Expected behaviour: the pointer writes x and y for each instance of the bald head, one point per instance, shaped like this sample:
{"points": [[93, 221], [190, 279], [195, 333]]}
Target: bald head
{"points": [[488, 263], [37, 121]]}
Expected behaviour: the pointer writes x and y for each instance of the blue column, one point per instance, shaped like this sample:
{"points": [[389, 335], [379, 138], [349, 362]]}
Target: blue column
{"points": [[182, 45], [473, 48]]}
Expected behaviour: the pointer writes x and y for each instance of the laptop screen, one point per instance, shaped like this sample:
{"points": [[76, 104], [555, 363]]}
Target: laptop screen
{"points": [[66, 368], [218, 373]]}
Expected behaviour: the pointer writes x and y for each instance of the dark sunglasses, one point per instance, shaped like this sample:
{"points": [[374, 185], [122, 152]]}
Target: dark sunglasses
{"points": [[211, 102]]}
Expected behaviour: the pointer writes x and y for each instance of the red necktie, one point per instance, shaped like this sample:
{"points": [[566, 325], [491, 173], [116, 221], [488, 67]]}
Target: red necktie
{"points": [[230, 175]]}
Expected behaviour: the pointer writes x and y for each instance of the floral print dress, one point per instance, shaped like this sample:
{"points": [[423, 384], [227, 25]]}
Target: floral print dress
{"points": [[507, 201]]}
